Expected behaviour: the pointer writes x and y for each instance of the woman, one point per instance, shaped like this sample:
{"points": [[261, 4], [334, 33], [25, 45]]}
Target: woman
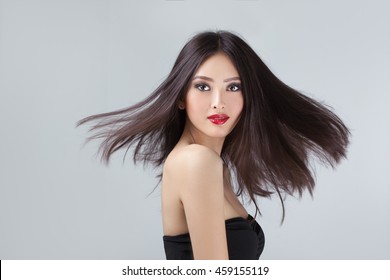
{"points": [[222, 125]]}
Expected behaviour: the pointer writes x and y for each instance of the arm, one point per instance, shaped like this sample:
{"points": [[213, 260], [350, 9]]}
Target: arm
{"points": [[200, 183]]}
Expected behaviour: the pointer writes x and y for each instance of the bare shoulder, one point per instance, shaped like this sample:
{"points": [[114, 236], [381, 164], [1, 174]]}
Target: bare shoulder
{"points": [[194, 174], [198, 179], [192, 167], [192, 160], [196, 170]]}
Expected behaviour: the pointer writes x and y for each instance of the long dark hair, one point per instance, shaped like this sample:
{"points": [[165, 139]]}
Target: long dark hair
{"points": [[269, 148]]}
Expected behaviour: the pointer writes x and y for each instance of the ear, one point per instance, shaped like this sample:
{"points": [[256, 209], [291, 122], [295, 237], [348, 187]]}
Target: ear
{"points": [[181, 105]]}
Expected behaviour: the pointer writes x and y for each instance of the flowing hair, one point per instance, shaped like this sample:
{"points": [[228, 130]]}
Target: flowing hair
{"points": [[268, 151]]}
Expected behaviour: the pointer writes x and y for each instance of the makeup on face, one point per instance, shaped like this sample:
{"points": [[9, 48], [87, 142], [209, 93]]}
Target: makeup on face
{"points": [[218, 119], [233, 86], [214, 100]]}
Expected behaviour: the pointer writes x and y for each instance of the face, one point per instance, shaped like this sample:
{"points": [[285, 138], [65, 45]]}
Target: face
{"points": [[214, 100]]}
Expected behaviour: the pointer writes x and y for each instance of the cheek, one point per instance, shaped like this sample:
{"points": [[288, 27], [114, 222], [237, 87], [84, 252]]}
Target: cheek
{"points": [[237, 104], [195, 104]]}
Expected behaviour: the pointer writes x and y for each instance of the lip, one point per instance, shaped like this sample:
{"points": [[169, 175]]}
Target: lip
{"points": [[218, 119]]}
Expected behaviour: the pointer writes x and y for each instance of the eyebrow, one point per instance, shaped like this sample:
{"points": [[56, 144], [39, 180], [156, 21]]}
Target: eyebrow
{"points": [[211, 80]]}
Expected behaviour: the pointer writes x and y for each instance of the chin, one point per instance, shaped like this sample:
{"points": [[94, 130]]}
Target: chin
{"points": [[222, 133]]}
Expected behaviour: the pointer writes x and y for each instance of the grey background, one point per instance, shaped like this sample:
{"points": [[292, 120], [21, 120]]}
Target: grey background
{"points": [[63, 60]]}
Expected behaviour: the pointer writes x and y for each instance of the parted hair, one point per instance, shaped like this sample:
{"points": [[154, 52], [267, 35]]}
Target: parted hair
{"points": [[268, 150]]}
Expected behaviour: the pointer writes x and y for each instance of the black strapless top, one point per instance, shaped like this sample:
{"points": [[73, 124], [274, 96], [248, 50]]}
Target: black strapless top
{"points": [[245, 240]]}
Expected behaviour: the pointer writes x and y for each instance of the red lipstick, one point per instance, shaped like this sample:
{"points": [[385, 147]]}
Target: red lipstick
{"points": [[218, 119]]}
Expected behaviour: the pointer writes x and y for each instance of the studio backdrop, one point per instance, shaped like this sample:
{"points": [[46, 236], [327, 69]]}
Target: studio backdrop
{"points": [[61, 61]]}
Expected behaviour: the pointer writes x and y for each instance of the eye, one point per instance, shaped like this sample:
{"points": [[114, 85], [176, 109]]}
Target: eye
{"points": [[234, 87], [202, 87]]}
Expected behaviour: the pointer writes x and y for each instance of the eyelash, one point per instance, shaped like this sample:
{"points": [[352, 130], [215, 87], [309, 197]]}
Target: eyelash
{"points": [[238, 86], [198, 86]]}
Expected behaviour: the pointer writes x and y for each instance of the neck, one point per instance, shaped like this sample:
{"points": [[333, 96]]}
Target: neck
{"points": [[194, 136]]}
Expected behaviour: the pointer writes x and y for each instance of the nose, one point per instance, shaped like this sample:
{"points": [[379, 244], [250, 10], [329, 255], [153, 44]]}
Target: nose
{"points": [[217, 100]]}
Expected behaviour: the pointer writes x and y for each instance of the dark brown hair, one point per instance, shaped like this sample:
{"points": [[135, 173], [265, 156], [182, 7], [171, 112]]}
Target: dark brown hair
{"points": [[269, 148]]}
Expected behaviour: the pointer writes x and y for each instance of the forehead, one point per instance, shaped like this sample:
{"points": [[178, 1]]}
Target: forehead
{"points": [[217, 66]]}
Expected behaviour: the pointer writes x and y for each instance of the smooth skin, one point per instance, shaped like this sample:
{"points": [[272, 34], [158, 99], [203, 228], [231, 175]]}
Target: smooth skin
{"points": [[195, 198]]}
